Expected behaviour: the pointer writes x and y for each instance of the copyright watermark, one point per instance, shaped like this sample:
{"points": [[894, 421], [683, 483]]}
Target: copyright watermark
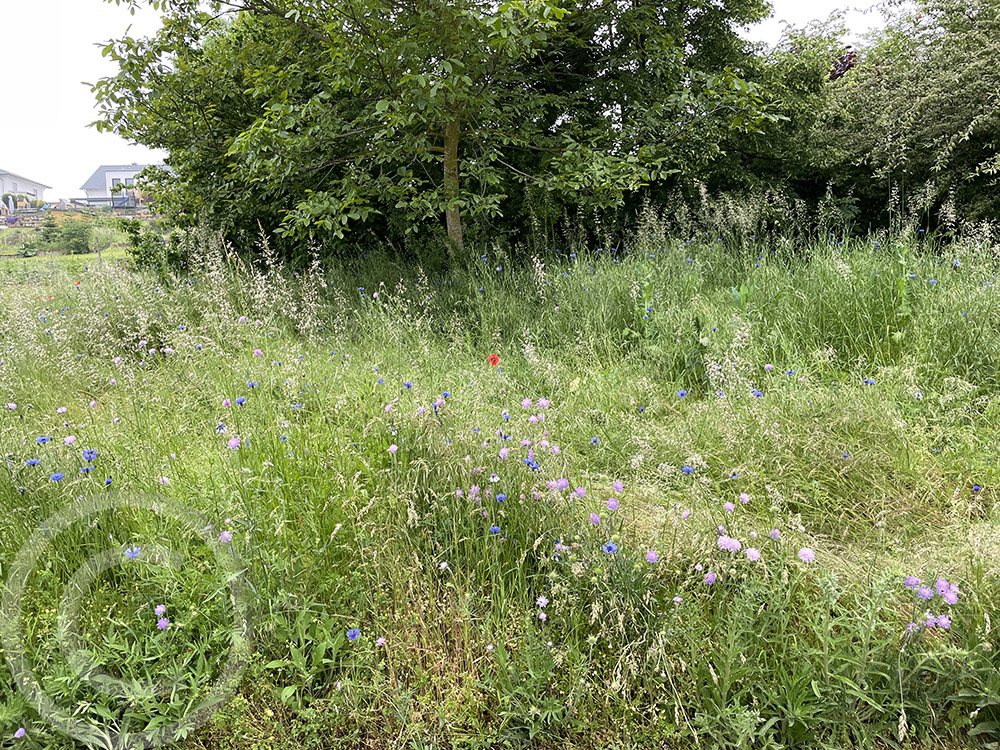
{"points": [[232, 577]]}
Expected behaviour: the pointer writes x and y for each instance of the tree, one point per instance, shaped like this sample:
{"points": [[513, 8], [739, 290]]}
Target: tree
{"points": [[338, 112], [75, 236], [921, 106]]}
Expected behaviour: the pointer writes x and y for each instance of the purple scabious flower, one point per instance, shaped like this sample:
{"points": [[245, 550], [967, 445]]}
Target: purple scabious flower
{"points": [[925, 593], [753, 554], [774, 534], [728, 507], [652, 556], [226, 537], [163, 623], [595, 519], [941, 586], [729, 544], [160, 610], [709, 578], [613, 504], [617, 486], [911, 582]]}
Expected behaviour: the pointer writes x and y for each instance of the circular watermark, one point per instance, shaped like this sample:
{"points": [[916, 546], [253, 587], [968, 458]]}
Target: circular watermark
{"points": [[159, 730]]}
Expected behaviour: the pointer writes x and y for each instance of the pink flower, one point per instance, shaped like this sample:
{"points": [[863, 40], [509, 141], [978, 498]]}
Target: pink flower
{"points": [[744, 498], [728, 507], [93, 404], [652, 556], [774, 534], [258, 353], [160, 610], [595, 519], [393, 448], [526, 403], [164, 480], [380, 641], [226, 537], [19, 733], [685, 515], [504, 452], [12, 406], [61, 410], [543, 403], [807, 555], [753, 554], [729, 544], [769, 367], [420, 410], [69, 440], [613, 504], [234, 443], [617, 486], [163, 623], [226, 402]]}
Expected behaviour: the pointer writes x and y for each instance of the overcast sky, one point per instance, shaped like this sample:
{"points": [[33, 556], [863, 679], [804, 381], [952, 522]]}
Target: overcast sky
{"points": [[49, 46]]}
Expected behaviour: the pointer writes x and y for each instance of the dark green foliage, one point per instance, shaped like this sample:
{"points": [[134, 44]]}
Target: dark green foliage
{"points": [[75, 236]]}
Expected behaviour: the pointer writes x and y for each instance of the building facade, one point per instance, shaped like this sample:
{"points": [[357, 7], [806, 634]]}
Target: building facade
{"points": [[17, 185], [100, 189]]}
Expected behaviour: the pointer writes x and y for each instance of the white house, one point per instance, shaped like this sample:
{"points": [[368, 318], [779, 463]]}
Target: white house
{"points": [[100, 187], [13, 183]]}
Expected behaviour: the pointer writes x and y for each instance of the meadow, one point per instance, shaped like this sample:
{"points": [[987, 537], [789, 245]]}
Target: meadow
{"points": [[681, 493]]}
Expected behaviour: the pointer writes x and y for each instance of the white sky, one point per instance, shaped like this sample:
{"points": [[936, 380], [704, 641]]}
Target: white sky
{"points": [[48, 47]]}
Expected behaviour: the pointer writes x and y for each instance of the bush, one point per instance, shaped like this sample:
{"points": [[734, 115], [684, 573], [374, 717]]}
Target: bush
{"points": [[75, 236]]}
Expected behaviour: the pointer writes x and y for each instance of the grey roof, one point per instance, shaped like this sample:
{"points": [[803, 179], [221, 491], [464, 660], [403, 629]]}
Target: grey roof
{"points": [[27, 179], [97, 181]]}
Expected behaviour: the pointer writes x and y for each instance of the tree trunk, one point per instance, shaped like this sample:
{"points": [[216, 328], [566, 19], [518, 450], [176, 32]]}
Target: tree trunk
{"points": [[452, 215]]}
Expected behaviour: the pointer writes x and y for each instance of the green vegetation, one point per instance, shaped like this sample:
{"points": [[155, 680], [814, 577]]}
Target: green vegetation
{"points": [[860, 419]]}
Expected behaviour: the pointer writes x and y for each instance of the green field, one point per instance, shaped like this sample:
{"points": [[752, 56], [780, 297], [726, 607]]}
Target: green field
{"points": [[680, 511]]}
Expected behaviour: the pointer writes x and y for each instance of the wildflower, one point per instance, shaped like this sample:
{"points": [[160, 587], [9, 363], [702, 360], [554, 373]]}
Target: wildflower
{"points": [[729, 544], [687, 470], [443, 565], [943, 621], [526, 403], [542, 602], [756, 393], [613, 504], [677, 600], [774, 534], [580, 492], [562, 483], [744, 498], [685, 515], [258, 353], [32, 462], [501, 497], [911, 582], [610, 548], [89, 455], [769, 367], [226, 403], [234, 443], [941, 586], [595, 519], [57, 477], [617, 486], [380, 641], [133, 552], [19, 733], [652, 556], [11, 406], [593, 441], [160, 610], [912, 627], [807, 555], [353, 634], [61, 410], [494, 360], [709, 578], [681, 393], [164, 480], [728, 507], [494, 529], [240, 401], [69, 440], [226, 537], [393, 448], [542, 616], [543, 403], [753, 554]]}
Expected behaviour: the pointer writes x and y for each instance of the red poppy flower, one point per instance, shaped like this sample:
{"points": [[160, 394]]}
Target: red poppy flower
{"points": [[494, 360]]}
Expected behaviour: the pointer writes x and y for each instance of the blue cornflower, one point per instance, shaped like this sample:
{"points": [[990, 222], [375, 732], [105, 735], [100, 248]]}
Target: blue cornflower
{"points": [[681, 393], [57, 477], [133, 552], [445, 394], [353, 634], [501, 497], [89, 454], [32, 462], [240, 401], [687, 470], [198, 347], [380, 381], [408, 385], [593, 441], [976, 488], [85, 469], [251, 384], [107, 482], [283, 438], [756, 393], [610, 548], [494, 529], [42, 439]]}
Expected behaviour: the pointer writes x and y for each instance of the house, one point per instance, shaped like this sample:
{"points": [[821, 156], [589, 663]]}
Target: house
{"points": [[17, 185], [100, 188]]}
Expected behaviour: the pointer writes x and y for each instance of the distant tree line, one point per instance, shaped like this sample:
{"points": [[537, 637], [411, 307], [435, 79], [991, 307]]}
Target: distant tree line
{"points": [[427, 124]]}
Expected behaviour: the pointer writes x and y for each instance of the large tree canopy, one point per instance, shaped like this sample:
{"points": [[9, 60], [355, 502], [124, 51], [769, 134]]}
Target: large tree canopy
{"points": [[321, 116]]}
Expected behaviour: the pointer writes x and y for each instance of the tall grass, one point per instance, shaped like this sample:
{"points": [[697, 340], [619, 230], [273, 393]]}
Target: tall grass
{"points": [[845, 389]]}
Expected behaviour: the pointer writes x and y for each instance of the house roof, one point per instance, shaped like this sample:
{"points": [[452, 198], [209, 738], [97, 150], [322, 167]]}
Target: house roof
{"points": [[97, 180], [26, 179]]}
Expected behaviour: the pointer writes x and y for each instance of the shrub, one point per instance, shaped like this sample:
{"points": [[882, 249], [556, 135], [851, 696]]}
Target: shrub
{"points": [[75, 236]]}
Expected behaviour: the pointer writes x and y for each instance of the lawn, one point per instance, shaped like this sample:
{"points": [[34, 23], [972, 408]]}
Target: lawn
{"points": [[742, 496]]}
